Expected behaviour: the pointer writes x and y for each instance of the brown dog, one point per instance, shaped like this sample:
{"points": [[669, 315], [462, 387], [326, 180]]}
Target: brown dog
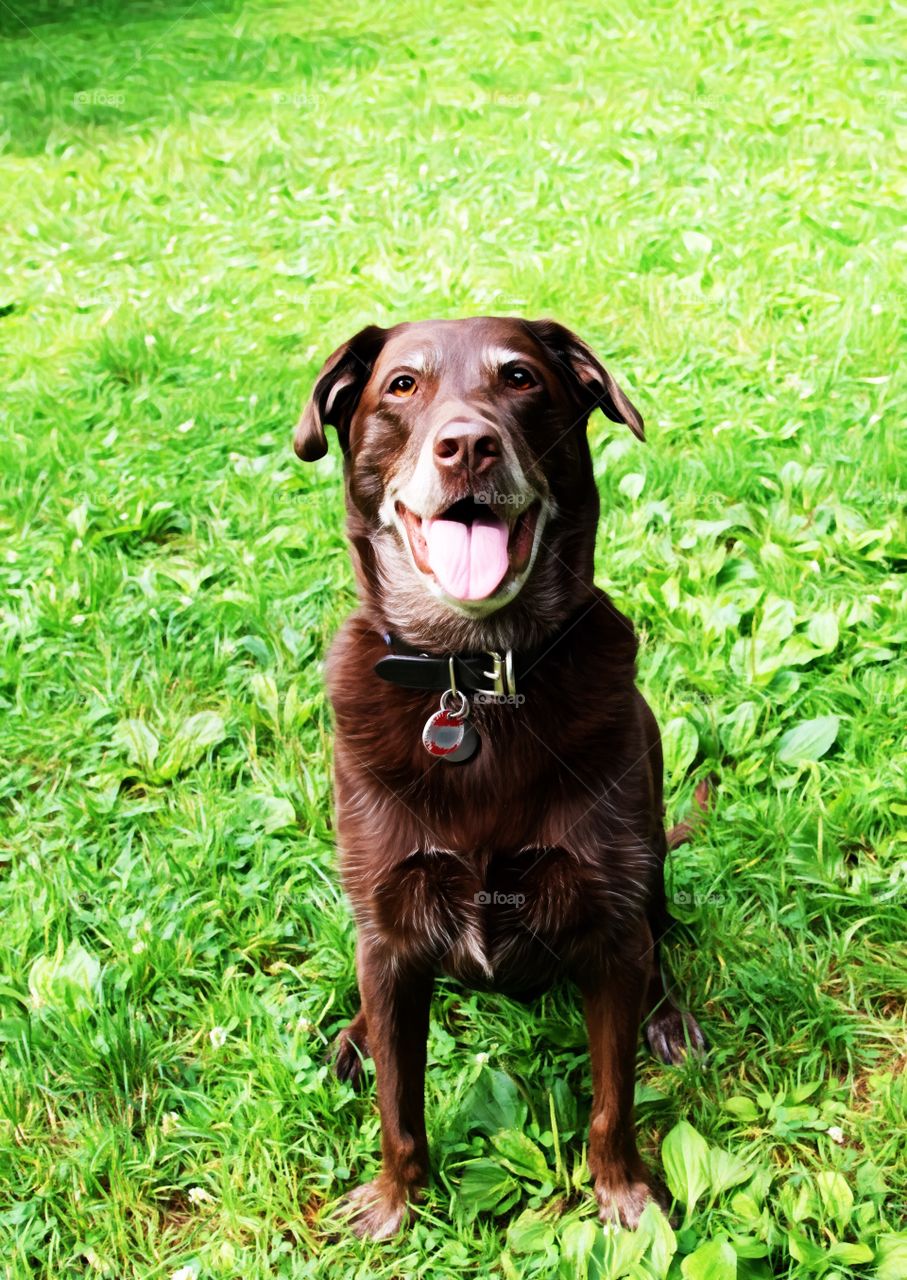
{"points": [[517, 836]]}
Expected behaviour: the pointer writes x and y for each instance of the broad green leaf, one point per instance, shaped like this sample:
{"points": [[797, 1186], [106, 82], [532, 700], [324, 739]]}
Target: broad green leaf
{"points": [[755, 659], [190, 742], [521, 1156], [850, 1254], [685, 1155], [681, 742], [803, 1250], [494, 1103], [749, 1247], [140, 744], [564, 1107], [632, 485], [578, 1240], [799, 652], [745, 1207], [822, 630], [783, 685], [13, 1029], [484, 1185], [799, 1201], [835, 1196], [806, 1089], [273, 812], [621, 1255], [296, 710], [264, 691], [717, 618], [743, 1108], [777, 620], [739, 727], [530, 1233], [67, 979], [696, 242], [808, 740], [891, 1256], [725, 1170], [713, 1261], [647, 1093], [661, 1243]]}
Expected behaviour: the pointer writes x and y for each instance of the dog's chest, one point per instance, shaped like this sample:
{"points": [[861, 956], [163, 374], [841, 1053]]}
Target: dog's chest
{"points": [[511, 921]]}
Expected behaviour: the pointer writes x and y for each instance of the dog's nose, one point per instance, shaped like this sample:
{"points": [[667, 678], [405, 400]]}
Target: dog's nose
{"points": [[467, 446]]}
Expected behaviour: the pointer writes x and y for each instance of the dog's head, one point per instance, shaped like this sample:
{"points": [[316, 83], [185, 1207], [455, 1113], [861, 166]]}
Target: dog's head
{"points": [[471, 498]]}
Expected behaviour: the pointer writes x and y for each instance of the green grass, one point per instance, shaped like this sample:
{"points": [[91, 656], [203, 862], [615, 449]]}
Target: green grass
{"points": [[200, 202]]}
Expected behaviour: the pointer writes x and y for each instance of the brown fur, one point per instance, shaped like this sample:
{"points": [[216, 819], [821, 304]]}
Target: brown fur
{"points": [[543, 856]]}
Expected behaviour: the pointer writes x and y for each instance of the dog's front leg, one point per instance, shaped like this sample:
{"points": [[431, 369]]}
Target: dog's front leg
{"points": [[395, 1002], [613, 1003]]}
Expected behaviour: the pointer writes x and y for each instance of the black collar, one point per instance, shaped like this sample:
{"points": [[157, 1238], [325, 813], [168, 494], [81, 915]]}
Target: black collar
{"points": [[492, 673]]}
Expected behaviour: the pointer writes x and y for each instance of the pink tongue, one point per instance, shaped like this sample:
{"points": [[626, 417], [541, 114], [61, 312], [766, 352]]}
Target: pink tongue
{"points": [[469, 561]]}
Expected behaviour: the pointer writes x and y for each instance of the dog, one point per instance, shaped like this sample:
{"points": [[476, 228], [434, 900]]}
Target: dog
{"points": [[498, 775]]}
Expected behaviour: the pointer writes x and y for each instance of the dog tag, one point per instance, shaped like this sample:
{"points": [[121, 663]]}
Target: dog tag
{"points": [[447, 734], [467, 748], [443, 733]]}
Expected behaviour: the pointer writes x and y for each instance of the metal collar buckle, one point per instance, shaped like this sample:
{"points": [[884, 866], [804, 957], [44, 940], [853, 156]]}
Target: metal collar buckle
{"points": [[501, 674]]}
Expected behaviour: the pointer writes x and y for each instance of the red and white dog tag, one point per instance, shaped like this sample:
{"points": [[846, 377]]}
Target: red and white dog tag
{"points": [[447, 735]]}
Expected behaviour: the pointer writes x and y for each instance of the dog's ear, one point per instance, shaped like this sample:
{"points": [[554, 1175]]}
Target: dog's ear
{"points": [[336, 393], [589, 376]]}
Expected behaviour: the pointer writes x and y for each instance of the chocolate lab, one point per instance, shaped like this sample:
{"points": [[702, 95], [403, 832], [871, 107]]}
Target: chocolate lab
{"points": [[498, 775]]}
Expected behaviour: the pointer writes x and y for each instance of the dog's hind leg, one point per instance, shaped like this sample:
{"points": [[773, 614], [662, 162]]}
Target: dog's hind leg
{"points": [[350, 1048], [671, 1033]]}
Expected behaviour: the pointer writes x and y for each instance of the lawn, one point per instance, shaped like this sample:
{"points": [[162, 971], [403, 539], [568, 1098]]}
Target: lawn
{"points": [[200, 201]]}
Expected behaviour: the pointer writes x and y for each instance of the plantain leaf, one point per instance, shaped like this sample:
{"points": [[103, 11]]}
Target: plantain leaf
{"points": [[835, 1196], [681, 742], [190, 742], [494, 1103], [715, 1260], [485, 1185], [521, 1156], [891, 1256], [67, 979], [530, 1233], [140, 744], [685, 1154], [808, 740]]}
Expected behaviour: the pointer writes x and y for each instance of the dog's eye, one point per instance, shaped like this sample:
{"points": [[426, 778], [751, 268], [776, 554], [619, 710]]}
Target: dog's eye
{"points": [[402, 386], [518, 377]]}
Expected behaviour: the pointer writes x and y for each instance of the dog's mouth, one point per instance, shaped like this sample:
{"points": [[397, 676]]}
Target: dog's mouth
{"points": [[469, 549]]}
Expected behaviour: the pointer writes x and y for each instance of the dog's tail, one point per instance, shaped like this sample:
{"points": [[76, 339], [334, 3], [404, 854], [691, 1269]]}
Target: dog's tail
{"points": [[702, 804]]}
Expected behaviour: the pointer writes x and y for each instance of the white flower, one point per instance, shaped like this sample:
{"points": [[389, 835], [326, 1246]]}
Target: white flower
{"points": [[198, 1195], [186, 1273], [836, 1134], [218, 1037], [169, 1121]]}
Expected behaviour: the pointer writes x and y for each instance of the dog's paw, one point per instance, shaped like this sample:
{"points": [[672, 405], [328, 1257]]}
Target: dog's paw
{"points": [[375, 1210], [673, 1035], [621, 1203], [350, 1048]]}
